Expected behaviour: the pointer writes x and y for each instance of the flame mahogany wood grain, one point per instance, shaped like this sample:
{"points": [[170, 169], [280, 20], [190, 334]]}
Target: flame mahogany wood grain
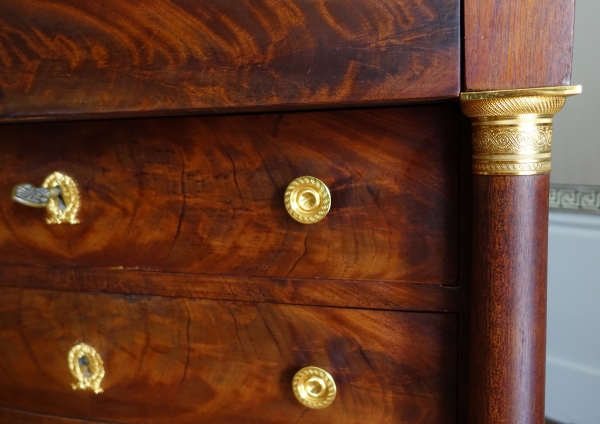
{"points": [[518, 44], [205, 195], [175, 360], [350, 294], [114, 57], [508, 299]]}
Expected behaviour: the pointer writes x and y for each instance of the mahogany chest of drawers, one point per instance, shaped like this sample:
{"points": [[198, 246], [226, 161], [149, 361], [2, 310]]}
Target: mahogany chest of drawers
{"points": [[263, 211]]}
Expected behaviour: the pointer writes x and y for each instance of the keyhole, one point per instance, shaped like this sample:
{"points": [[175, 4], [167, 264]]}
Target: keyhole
{"points": [[61, 202], [84, 363]]}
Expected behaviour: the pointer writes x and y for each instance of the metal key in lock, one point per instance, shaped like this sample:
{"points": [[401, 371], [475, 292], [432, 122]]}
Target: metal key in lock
{"points": [[36, 197], [58, 194]]}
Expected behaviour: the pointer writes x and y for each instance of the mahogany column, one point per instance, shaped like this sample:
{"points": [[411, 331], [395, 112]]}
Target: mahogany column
{"points": [[512, 140], [508, 313], [508, 45]]}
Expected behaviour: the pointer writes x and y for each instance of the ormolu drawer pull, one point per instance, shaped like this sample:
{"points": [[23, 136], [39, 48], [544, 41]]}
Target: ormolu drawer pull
{"points": [[307, 200], [314, 387], [87, 368], [58, 194]]}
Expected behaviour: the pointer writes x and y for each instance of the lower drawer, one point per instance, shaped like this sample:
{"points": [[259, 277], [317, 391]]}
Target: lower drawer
{"points": [[182, 361]]}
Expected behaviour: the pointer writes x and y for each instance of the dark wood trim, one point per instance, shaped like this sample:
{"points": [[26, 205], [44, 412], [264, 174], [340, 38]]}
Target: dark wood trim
{"points": [[315, 292], [508, 299], [13, 416]]}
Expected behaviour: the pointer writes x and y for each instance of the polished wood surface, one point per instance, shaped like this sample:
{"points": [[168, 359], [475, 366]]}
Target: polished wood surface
{"points": [[517, 44], [205, 195], [82, 58], [508, 299], [190, 210], [174, 360]]}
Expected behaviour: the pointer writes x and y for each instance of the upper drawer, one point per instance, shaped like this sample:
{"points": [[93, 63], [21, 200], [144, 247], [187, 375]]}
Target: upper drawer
{"points": [[60, 58], [206, 194]]}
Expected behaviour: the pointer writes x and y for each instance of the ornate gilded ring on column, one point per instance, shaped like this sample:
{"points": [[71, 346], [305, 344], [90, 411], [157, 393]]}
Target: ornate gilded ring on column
{"points": [[512, 129]]}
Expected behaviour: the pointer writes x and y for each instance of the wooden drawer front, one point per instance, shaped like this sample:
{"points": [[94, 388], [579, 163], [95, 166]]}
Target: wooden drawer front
{"points": [[179, 361], [64, 57], [205, 195]]}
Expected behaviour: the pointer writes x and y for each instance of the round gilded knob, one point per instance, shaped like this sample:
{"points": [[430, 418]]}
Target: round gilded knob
{"points": [[314, 387], [307, 200]]}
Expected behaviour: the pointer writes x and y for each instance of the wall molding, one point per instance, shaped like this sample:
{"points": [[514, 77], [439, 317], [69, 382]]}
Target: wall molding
{"points": [[573, 349], [575, 198]]}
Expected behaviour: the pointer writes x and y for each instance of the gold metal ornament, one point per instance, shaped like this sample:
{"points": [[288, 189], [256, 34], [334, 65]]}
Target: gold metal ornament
{"points": [[512, 129], [58, 194], [62, 209], [307, 200], [87, 368], [314, 387]]}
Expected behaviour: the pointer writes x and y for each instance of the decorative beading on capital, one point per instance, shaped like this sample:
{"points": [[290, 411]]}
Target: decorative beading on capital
{"points": [[512, 129]]}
